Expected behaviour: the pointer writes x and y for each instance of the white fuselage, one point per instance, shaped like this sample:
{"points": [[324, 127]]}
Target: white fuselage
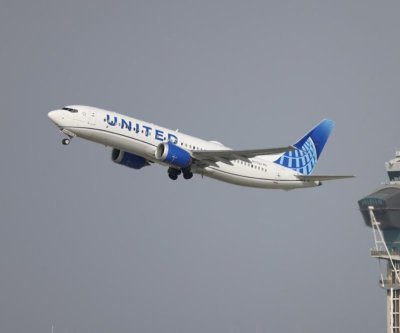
{"points": [[142, 138]]}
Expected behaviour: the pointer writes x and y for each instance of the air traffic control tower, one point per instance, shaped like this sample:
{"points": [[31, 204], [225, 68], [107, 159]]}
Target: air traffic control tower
{"points": [[381, 212]]}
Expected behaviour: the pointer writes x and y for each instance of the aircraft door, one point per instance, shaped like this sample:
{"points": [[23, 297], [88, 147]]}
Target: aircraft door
{"points": [[92, 118]]}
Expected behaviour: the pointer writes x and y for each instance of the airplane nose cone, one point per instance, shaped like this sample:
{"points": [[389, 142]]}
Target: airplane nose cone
{"points": [[53, 116]]}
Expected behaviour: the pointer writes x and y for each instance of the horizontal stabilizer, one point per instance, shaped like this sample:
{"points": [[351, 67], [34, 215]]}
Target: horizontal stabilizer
{"points": [[321, 178]]}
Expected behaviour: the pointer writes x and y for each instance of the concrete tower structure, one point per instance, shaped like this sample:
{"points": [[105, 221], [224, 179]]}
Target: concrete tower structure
{"points": [[381, 212]]}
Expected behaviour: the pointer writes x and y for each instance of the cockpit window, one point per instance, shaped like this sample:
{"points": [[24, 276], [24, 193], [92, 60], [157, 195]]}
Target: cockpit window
{"points": [[70, 110]]}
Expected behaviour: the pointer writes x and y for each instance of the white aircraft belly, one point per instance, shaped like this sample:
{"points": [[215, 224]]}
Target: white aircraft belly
{"points": [[254, 180]]}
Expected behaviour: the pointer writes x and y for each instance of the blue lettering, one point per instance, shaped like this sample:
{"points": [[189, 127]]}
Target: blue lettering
{"points": [[110, 122], [159, 135], [148, 129], [136, 128], [126, 124], [172, 138]]}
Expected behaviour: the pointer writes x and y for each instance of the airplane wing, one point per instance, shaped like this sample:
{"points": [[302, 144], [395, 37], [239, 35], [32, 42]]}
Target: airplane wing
{"points": [[321, 178], [207, 157]]}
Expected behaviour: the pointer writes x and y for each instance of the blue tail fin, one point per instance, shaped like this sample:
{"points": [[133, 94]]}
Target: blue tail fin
{"points": [[309, 148]]}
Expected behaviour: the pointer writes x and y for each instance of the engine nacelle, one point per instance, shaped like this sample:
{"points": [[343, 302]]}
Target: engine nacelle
{"points": [[173, 155], [130, 160]]}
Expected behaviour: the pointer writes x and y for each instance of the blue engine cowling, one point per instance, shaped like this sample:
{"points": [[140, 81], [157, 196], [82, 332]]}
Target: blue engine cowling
{"points": [[130, 160], [173, 155]]}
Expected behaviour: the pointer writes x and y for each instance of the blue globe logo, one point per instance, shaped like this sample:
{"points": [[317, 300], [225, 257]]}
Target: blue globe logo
{"points": [[302, 160]]}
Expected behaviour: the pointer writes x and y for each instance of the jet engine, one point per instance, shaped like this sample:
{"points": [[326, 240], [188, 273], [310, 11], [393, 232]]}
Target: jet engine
{"points": [[130, 160], [173, 155]]}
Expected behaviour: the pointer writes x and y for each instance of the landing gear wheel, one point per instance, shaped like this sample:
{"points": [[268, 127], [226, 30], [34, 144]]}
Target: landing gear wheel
{"points": [[173, 173], [187, 175], [66, 142], [173, 176]]}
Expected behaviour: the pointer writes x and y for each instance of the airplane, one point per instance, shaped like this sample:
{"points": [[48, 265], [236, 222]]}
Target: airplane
{"points": [[137, 144]]}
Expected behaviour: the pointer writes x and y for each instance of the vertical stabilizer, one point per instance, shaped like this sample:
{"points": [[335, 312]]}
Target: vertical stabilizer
{"points": [[309, 148]]}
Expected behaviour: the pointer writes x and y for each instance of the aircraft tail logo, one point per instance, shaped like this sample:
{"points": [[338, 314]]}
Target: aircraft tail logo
{"points": [[309, 148]]}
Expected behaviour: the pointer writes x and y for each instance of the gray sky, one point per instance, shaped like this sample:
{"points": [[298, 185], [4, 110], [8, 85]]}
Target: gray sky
{"points": [[94, 247]]}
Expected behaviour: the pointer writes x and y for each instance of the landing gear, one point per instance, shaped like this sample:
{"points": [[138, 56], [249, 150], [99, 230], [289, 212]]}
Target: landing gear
{"points": [[173, 173], [66, 142], [187, 173], [173, 176]]}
